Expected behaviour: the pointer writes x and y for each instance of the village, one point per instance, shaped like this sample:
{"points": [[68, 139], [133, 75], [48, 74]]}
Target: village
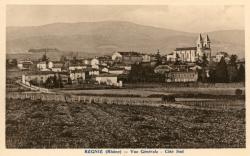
{"points": [[184, 65], [125, 77]]}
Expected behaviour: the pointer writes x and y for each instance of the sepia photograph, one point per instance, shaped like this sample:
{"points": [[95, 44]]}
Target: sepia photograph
{"points": [[125, 76]]}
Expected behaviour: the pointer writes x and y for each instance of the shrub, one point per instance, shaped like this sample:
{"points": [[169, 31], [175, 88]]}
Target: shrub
{"points": [[168, 98], [238, 92]]}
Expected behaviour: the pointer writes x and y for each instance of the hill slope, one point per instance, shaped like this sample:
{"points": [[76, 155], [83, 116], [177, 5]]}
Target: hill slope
{"points": [[107, 37]]}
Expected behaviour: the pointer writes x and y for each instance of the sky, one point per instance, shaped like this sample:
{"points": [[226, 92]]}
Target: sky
{"points": [[195, 18]]}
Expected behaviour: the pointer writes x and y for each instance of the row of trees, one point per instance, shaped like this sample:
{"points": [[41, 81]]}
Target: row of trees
{"points": [[140, 73], [221, 72], [224, 72], [52, 82]]}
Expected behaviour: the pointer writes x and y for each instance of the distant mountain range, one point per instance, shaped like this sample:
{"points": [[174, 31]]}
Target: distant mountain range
{"points": [[109, 36]]}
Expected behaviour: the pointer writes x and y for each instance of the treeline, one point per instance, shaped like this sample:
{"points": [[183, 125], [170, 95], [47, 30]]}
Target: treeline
{"points": [[52, 82], [224, 72], [140, 73], [221, 72]]}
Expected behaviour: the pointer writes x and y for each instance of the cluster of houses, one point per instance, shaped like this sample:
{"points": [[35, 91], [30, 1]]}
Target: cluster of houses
{"points": [[108, 69]]}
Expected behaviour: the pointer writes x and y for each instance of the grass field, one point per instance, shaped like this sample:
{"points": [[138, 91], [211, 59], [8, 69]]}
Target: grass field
{"points": [[36, 124]]}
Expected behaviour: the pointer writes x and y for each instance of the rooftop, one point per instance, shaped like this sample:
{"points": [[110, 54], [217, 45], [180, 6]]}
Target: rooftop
{"points": [[186, 48], [130, 53], [107, 75]]}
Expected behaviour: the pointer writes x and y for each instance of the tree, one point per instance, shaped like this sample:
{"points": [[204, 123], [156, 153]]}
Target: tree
{"points": [[232, 69], [204, 61], [233, 59], [49, 82], [69, 80], [158, 58], [55, 81], [212, 76], [221, 71], [177, 59], [60, 83], [141, 73], [241, 73], [63, 58], [44, 57], [203, 72], [74, 61]]}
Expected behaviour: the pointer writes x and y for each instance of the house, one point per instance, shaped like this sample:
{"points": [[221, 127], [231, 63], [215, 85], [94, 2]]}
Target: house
{"points": [[219, 55], [86, 61], [73, 67], [146, 58], [162, 69], [89, 72], [171, 57], [24, 64], [116, 70], [64, 77], [127, 57], [105, 60], [122, 65], [181, 76], [57, 67], [42, 66], [38, 77], [104, 69], [94, 63], [109, 79], [50, 64], [77, 76], [192, 54]]}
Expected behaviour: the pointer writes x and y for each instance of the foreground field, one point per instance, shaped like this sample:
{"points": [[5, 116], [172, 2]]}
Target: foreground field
{"points": [[37, 124]]}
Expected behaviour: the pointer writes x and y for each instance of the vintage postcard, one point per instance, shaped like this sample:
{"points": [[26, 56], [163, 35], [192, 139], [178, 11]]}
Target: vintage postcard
{"points": [[158, 79]]}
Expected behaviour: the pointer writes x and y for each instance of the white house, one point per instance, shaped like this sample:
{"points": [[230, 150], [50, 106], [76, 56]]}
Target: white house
{"points": [[50, 64], [127, 57], [171, 57], [42, 66], [219, 55], [77, 74], [146, 58], [87, 61], [24, 64], [108, 79], [105, 69], [116, 56], [95, 63], [94, 72]]}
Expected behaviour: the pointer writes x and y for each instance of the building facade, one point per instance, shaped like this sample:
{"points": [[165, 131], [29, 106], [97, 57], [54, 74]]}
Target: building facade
{"points": [[127, 57], [181, 76], [192, 54]]}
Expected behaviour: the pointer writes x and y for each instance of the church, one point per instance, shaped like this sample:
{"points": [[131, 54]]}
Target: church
{"points": [[192, 54]]}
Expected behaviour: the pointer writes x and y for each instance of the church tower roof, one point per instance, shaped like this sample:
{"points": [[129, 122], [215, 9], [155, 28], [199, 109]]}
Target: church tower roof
{"points": [[207, 39], [200, 38]]}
